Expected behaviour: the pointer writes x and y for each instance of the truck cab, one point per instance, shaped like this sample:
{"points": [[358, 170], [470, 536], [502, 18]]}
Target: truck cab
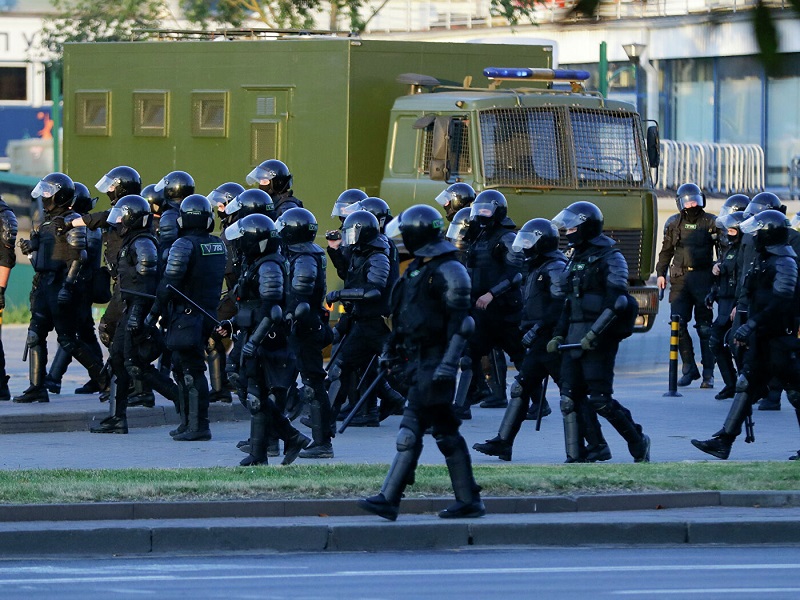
{"points": [[543, 149]]}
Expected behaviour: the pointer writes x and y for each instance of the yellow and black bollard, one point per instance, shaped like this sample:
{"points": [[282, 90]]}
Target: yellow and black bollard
{"points": [[675, 322]]}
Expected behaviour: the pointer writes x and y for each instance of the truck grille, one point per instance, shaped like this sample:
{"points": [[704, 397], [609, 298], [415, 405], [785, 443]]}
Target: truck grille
{"points": [[629, 241]]}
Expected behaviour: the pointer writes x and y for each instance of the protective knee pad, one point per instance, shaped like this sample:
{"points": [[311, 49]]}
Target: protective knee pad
{"points": [[335, 372], [68, 343], [516, 389], [703, 331], [742, 383], [567, 405], [406, 439], [104, 335], [601, 404], [32, 339]]}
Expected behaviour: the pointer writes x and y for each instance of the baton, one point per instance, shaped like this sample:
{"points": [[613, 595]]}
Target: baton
{"points": [[564, 347], [216, 321], [366, 371], [661, 294], [362, 400], [750, 435], [336, 352], [541, 403], [140, 294]]}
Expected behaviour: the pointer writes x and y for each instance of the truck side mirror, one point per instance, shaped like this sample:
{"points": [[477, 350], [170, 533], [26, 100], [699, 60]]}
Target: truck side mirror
{"points": [[440, 155], [653, 146]]}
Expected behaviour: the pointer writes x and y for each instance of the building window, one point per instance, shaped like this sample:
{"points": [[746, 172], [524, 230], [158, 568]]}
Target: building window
{"points": [[150, 110], [740, 100], [210, 114], [14, 84], [693, 100], [783, 121], [459, 149], [93, 113]]}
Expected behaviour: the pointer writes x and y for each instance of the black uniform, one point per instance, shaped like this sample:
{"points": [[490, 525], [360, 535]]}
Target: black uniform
{"points": [[597, 275], [429, 307], [112, 242], [310, 331], [266, 368], [770, 298], [8, 258], [723, 292], [690, 238], [283, 202], [59, 253], [543, 295], [195, 266]]}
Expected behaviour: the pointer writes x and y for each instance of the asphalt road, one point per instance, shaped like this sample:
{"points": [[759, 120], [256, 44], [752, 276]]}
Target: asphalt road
{"points": [[768, 572]]}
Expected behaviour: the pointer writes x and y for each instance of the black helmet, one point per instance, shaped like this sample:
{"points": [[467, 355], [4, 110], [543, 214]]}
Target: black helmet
{"points": [[377, 207], [82, 202], [130, 213], [55, 189], [222, 194], [458, 233], [272, 176], [456, 197], [690, 192], [737, 202], [156, 199], [177, 186], [196, 213], [119, 182], [731, 220], [490, 206], [585, 217], [422, 229], [770, 227], [344, 203], [254, 235], [536, 238], [250, 202], [763, 201], [359, 229], [297, 225]]}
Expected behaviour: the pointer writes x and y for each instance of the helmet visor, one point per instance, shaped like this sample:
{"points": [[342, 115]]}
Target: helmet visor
{"points": [[525, 240], [45, 189], [481, 210], [162, 184], [219, 197], [445, 198], [567, 219], [260, 176], [342, 209], [731, 220], [106, 184], [795, 222], [232, 207], [693, 199], [457, 232], [753, 224], [394, 228], [753, 208], [350, 235], [115, 216], [233, 232]]}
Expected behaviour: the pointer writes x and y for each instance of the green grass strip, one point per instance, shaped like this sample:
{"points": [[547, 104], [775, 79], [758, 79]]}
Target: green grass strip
{"points": [[350, 481]]}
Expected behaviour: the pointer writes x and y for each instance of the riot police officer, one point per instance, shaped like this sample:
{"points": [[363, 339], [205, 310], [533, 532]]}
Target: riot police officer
{"points": [[8, 258], [273, 177], [495, 270], [458, 232], [430, 312], [456, 197], [174, 186], [598, 313], [82, 203], [345, 204], [365, 298], [543, 298], [770, 333], [59, 252], [723, 292], [117, 183], [310, 332], [194, 270], [690, 240], [265, 371], [131, 350]]}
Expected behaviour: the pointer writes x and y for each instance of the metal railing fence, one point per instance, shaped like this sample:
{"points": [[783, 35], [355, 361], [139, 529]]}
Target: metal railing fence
{"points": [[718, 168]]}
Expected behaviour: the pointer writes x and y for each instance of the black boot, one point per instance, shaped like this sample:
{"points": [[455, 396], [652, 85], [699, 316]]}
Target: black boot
{"points": [[691, 373], [495, 447], [58, 367], [772, 401], [379, 505], [294, 446], [37, 357], [259, 424], [318, 451], [112, 424], [719, 446], [195, 387], [708, 379], [5, 393]]}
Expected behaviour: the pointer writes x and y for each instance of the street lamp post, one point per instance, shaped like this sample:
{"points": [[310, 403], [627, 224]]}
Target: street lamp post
{"points": [[634, 52]]}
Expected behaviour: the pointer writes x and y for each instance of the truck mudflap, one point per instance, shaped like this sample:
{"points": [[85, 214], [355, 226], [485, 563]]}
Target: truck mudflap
{"points": [[647, 297]]}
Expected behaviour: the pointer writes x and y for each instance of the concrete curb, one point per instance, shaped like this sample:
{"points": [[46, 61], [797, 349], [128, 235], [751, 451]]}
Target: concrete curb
{"points": [[338, 525]]}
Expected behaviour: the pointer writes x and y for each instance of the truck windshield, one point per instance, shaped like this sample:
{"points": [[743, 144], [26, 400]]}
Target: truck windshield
{"points": [[562, 147]]}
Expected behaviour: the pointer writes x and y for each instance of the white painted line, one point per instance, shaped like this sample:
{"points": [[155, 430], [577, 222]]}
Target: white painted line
{"points": [[748, 591]]}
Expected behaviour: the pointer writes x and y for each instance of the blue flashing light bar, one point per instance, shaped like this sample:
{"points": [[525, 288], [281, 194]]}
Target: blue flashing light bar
{"points": [[536, 74]]}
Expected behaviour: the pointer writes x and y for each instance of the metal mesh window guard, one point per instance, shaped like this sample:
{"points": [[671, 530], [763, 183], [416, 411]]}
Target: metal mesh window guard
{"points": [[561, 147], [459, 148]]}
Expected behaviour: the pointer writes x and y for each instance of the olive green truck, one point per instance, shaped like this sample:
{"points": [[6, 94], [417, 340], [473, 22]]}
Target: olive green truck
{"points": [[400, 120]]}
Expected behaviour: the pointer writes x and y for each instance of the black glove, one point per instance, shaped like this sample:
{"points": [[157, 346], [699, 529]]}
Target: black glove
{"points": [[333, 296], [553, 344], [150, 321], [445, 372], [25, 246], [388, 359], [530, 335], [65, 295], [2, 297], [744, 332], [711, 297], [134, 324], [249, 349]]}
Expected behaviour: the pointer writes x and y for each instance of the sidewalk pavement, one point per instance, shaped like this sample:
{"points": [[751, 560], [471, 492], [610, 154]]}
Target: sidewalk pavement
{"points": [[310, 525]]}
